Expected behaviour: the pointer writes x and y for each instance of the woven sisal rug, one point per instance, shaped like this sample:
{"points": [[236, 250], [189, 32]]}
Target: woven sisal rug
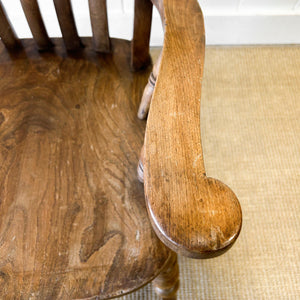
{"points": [[250, 123]]}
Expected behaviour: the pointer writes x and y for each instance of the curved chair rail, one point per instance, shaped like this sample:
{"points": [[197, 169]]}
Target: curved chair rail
{"points": [[192, 214]]}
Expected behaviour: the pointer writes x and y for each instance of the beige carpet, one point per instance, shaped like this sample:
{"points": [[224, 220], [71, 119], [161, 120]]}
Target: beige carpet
{"points": [[251, 139]]}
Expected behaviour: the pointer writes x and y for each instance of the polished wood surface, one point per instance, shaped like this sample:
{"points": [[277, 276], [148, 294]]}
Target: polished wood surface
{"points": [[192, 214], [67, 24], [166, 283], [36, 24], [7, 33], [140, 57], [99, 22], [73, 221], [148, 91]]}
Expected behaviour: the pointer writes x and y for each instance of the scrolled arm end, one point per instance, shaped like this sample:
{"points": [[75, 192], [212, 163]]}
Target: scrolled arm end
{"points": [[205, 226], [194, 215]]}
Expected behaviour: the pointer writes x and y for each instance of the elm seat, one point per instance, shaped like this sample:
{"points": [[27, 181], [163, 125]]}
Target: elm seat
{"points": [[73, 216], [72, 209]]}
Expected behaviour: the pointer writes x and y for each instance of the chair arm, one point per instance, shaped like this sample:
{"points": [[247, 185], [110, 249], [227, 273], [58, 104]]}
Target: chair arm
{"points": [[192, 214]]}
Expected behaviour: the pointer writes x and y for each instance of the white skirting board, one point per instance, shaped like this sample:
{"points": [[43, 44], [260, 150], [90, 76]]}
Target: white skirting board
{"points": [[252, 29]]}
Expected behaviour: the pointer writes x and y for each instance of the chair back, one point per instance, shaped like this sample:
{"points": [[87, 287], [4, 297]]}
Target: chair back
{"points": [[99, 21]]}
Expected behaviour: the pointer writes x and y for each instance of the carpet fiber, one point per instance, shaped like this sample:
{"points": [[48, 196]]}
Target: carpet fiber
{"points": [[250, 123]]}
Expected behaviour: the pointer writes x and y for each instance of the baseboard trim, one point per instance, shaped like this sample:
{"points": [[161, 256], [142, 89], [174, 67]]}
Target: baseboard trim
{"points": [[252, 29]]}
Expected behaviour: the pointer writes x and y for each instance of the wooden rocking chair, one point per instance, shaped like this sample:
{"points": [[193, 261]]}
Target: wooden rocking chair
{"points": [[74, 223]]}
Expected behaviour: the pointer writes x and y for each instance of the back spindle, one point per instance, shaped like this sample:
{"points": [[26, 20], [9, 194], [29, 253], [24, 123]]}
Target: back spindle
{"points": [[98, 12], [67, 24], [141, 34], [35, 22], [7, 33]]}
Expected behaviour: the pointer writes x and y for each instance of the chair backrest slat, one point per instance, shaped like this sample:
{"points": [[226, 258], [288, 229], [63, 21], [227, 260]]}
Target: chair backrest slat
{"points": [[98, 12], [35, 22], [7, 33], [141, 35], [140, 56], [67, 24]]}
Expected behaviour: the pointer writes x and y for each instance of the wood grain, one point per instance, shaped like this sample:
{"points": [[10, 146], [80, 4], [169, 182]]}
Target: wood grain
{"points": [[36, 24], [148, 91], [98, 12], [166, 283], [72, 210], [192, 214], [67, 24], [73, 221], [7, 33], [140, 57]]}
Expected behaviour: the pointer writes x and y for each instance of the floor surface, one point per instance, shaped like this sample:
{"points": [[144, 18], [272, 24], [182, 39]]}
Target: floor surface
{"points": [[250, 123]]}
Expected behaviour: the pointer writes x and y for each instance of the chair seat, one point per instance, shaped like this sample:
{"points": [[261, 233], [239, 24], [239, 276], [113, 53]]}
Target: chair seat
{"points": [[73, 222]]}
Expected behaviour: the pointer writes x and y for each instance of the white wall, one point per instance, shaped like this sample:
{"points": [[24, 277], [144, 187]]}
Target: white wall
{"points": [[227, 21], [252, 21]]}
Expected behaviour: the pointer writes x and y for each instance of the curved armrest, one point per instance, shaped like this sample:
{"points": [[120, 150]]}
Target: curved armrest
{"points": [[192, 214]]}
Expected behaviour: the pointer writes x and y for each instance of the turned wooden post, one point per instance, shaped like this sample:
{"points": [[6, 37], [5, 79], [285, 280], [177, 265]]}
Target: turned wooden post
{"points": [[166, 283], [34, 18], [99, 22], [140, 57], [140, 168], [148, 91], [67, 24], [7, 33]]}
